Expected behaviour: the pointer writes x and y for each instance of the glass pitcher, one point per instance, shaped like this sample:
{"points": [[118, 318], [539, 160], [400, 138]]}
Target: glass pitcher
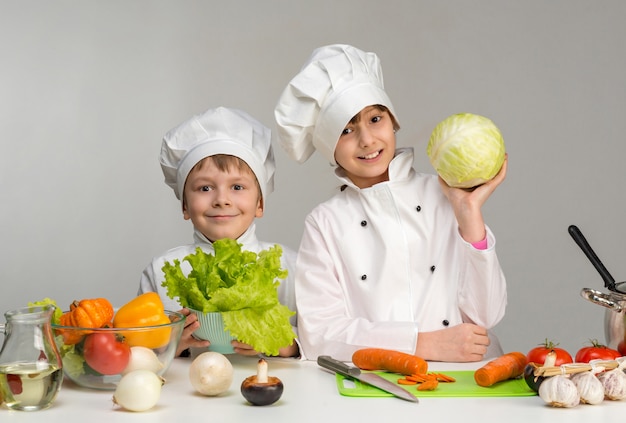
{"points": [[30, 365]]}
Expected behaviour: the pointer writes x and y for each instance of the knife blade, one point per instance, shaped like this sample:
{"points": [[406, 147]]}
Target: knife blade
{"points": [[373, 379]]}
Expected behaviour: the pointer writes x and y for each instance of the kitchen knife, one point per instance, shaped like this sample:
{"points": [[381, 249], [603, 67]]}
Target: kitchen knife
{"points": [[373, 379]]}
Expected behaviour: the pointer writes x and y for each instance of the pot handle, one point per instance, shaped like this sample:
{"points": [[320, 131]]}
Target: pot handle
{"points": [[601, 298]]}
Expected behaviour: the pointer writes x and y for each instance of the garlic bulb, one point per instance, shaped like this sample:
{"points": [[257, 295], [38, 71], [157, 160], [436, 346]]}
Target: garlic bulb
{"points": [[614, 382], [559, 391], [589, 387]]}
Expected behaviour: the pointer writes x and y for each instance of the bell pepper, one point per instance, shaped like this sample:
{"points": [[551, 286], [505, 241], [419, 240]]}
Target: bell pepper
{"points": [[144, 310]]}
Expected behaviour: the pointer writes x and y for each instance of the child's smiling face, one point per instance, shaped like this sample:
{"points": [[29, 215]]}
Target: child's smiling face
{"points": [[222, 203], [367, 146]]}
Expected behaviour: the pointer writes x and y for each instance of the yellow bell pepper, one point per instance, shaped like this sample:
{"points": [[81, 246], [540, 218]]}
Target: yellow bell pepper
{"points": [[144, 310]]}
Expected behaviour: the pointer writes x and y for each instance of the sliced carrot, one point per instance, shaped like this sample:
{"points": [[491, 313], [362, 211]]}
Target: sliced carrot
{"points": [[426, 381], [445, 378], [419, 378], [429, 376], [429, 385]]}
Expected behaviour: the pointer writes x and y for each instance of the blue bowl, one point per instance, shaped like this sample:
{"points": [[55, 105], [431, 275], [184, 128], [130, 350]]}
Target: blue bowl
{"points": [[212, 329]]}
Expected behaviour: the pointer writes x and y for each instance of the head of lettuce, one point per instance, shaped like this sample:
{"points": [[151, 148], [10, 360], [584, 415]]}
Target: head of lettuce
{"points": [[242, 286], [466, 150]]}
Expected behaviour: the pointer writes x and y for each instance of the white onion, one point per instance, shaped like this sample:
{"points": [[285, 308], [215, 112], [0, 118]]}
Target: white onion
{"points": [[138, 390], [211, 373], [142, 358]]}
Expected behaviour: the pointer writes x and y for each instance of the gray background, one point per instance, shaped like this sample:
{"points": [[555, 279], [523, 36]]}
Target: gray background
{"points": [[88, 89]]}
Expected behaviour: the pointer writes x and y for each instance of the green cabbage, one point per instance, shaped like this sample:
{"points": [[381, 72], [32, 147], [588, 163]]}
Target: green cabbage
{"points": [[466, 150], [242, 286]]}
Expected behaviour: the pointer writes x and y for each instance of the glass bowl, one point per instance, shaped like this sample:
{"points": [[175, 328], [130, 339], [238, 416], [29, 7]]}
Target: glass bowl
{"points": [[162, 339], [212, 329]]}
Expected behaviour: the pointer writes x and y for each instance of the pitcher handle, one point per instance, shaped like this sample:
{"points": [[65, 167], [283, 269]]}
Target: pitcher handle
{"points": [[600, 298]]}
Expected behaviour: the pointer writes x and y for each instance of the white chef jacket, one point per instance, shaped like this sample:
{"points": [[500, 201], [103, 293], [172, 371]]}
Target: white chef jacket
{"points": [[153, 276], [378, 265]]}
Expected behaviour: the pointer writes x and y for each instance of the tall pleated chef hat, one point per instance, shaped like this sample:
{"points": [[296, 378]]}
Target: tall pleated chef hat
{"points": [[334, 85], [217, 131]]}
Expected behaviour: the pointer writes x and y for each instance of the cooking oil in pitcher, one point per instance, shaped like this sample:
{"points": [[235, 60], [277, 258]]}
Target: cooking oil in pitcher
{"points": [[29, 386], [31, 371]]}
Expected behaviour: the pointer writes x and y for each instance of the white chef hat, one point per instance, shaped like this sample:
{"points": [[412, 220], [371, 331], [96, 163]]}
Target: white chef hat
{"points": [[334, 85], [217, 131]]}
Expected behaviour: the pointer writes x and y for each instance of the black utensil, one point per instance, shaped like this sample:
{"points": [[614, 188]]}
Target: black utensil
{"points": [[609, 281]]}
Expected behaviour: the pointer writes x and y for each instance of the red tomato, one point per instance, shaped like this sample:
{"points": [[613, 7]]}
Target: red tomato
{"points": [[596, 351], [621, 347], [538, 354], [105, 354]]}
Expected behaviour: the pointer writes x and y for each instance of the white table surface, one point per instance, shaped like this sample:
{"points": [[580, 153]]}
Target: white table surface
{"points": [[310, 395]]}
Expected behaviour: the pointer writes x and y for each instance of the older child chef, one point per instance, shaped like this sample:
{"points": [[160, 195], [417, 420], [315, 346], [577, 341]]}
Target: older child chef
{"points": [[396, 259]]}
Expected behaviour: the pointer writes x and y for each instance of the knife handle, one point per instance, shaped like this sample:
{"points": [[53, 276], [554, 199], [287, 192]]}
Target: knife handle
{"points": [[337, 366]]}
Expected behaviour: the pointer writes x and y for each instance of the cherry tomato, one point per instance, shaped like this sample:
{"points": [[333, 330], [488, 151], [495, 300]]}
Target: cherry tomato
{"points": [[539, 353], [596, 351], [106, 354], [621, 347]]}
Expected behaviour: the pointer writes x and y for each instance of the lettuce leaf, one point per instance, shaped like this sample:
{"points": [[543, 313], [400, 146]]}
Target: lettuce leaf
{"points": [[73, 361], [240, 284], [56, 315]]}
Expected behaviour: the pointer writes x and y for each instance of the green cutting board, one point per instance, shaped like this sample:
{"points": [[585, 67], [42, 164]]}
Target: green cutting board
{"points": [[465, 386]]}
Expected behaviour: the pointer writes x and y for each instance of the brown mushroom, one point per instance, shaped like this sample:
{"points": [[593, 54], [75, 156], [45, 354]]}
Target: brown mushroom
{"points": [[261, 389]]}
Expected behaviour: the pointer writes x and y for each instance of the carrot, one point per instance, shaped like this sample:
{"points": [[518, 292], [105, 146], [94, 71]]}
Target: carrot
{"points": [[417, 378], [445, 378], [429, 385], [389, 360], [426, 381], [507, 366]]}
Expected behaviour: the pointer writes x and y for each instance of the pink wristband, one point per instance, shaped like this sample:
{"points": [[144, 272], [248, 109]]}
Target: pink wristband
{"points": [[480, 245]]}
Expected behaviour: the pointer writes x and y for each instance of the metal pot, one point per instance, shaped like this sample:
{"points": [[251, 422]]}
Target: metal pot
{"points": [[614, 315], [614, 300]]}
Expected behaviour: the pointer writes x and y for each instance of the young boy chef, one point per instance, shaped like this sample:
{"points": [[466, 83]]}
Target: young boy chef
{"points": [[220, 165]]}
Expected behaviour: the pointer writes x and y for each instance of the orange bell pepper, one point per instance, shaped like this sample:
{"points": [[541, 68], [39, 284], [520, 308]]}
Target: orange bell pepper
{"points": [[144, 310]]}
